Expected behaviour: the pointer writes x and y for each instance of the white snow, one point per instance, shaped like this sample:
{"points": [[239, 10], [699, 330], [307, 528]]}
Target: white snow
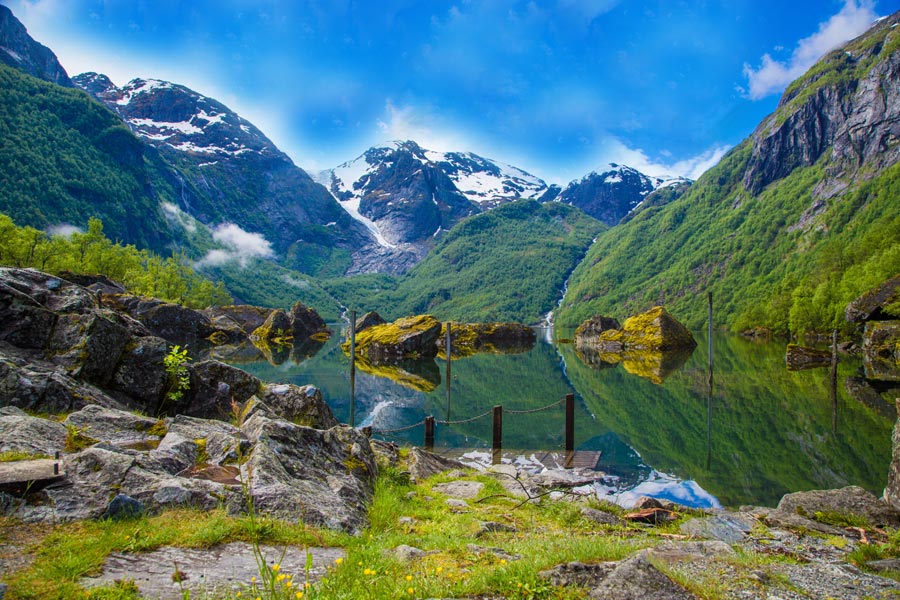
{"points": [[211, 119], [12, 53], [184, 127], [140, 86], [350, 172], [614, 178]]}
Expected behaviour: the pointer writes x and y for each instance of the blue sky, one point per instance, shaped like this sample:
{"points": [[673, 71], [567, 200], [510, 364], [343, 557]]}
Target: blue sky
{"points": [[557, 87]]}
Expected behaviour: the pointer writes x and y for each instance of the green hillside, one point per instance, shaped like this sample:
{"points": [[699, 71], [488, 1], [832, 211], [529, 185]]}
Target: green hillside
{"points": [[65, 158], [508, 264], [791, 225]]}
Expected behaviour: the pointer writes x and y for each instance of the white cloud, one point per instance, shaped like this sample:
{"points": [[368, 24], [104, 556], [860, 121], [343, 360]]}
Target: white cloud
{"points": [[64, 230], [692, 167], [773, 76], [240, 246], [412, 123]]}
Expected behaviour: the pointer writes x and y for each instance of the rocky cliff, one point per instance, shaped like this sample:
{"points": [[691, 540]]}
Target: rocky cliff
{"points": [[19, 50]]}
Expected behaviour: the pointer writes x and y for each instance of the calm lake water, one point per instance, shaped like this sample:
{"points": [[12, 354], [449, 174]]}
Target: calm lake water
{"points": [[655, 427]]}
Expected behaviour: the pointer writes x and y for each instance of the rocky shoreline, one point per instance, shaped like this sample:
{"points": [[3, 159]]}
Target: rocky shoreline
{"points": [[232, 441]]}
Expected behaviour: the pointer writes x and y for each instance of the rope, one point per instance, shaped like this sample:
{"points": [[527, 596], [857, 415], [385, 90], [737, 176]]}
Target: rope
{"points": [[407, 428], [534, 410], [481, 416]]}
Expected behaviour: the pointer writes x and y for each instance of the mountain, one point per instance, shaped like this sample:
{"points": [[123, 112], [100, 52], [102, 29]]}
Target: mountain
{"points": [[611, 195], [506, 264], [20, 51], [791, 224], [407, 195], [220, 169]]}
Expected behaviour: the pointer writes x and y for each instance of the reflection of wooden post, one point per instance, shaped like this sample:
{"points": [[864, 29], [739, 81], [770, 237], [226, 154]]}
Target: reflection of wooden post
{"points": [[498, 434], [834, 363], [447, 350], [352, 367], [570, 430], [429, 432]]}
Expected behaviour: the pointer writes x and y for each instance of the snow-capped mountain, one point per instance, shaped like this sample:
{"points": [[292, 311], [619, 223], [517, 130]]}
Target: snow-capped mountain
{"points": [[220, 169], [610, 195], [406, 194]]}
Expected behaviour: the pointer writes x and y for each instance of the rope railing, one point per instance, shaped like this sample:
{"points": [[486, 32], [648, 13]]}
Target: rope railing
{"points": [[497, 413]]}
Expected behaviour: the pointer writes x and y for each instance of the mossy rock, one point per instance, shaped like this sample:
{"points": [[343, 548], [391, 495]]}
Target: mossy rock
{"points": [[655, 329], [408, 337]]}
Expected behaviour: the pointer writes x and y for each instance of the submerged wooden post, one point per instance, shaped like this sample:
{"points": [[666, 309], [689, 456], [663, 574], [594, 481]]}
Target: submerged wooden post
{"points": [[352, 367], [570, 430], [429, 432], [498, 435]]}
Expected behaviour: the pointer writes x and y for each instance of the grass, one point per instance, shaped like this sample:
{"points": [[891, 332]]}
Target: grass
{"points": [[15, 455]]}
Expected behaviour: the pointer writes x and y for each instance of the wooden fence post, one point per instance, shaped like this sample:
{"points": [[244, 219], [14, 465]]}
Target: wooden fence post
{"points": [[498, 435], [429, 432], [570, 430]]}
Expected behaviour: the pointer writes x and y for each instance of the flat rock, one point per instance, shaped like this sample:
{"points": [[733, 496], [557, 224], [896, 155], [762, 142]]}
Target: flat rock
{"points": [[850, 500], [675, 551], [578, 574], [463, 490], [23, 433], [599, 516], [424, 464], [726, 527], [212, 572], [111, 425]]}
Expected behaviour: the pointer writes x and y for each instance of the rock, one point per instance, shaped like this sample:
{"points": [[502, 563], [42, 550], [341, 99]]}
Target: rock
{"points": [[498, 552], [877, 304], [369, 319], [408, 337], [645, 502], [636, 579], [881, 350], [885, 564], [216, 439], [275, 330], [87, 346], [851, 501], [94, 283], [460, 489], [578, 574], [405, 553], [588, 333], [386, 453], [793, 521], [494, 527], [301, 404], [892, 491], [91, 475], [325, 477], [123, 507], [456, 503], [599, 516], [174, 323], [799, 357], [655, 329], [500, 338], [141, 374], [654, 516], [22, 433], [214, 386], [244, 318], [680, 551], [726, 527], [111, 425], [305, 322], [423, 464]]}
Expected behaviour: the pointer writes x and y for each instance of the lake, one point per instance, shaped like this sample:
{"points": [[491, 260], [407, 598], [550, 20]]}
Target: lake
{"points": [[654, 426]]}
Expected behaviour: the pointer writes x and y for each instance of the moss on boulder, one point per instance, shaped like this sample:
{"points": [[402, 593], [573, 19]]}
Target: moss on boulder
{"points": [[408, 337], [655, 329]]}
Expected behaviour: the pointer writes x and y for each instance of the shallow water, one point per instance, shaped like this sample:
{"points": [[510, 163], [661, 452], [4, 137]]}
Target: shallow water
{"points": [[655, 427]]}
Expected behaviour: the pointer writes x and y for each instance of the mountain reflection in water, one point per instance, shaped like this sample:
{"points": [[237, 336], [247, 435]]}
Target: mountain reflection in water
{"points": [[762, 433]]}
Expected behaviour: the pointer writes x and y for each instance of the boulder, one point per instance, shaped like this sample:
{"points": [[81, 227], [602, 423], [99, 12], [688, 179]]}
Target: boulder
{"points": [[214, 386], [369, 319], [655, 329], [850, 501], [423, 464], [99, 284], [89, 346], [325, 478], [881, 350], [300, 404], [113, 425], [141, 374], [174, 323], [305, 322], [502, 338], [275, 329], [878, 304], [22, 433], [799, 358], [92, 476], [243, 317], [637, 579], [409, 337], [588, 333]]}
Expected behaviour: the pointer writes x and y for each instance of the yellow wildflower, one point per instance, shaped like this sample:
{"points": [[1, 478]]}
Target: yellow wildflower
{"points": [[409, 577], [281, 577], [276, 567], [339, 560], [410, 591], [298, 595]]}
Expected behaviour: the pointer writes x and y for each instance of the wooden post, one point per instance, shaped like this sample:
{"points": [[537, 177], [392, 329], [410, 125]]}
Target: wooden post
{"points": [[429, 432], [709, 333], [56, 464], [570, 430], [352, 367], [833, 386], [498, 434], [447, 351]]}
